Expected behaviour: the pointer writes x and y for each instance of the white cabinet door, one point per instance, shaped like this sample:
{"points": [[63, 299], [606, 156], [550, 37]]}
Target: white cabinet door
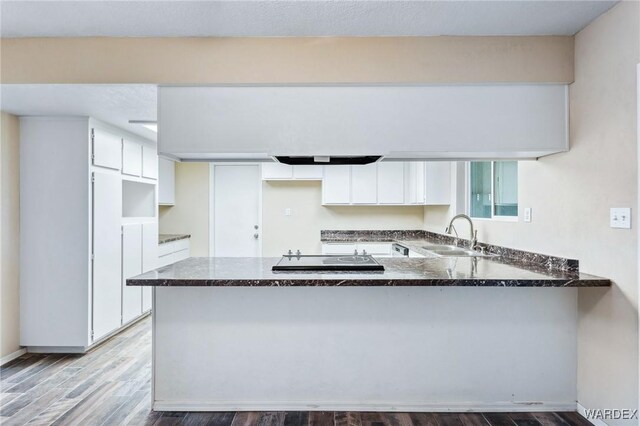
{"points": [[338, 248], [438, 182], [131, 266], [149, 258], [307, 172], [364, 184], [276, 171], [375, 249], [149, 162], [131, 158], [391, 182], [414, 182], [336, 185], [166, 182], [106, 150], [107, 276]]}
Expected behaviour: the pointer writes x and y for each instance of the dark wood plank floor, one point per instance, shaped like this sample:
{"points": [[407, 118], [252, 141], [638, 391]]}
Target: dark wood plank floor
{"points": [[111, 386]]}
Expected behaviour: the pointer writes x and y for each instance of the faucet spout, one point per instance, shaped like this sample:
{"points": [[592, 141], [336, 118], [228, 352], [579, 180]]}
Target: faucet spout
{"points": [[473, 240]]}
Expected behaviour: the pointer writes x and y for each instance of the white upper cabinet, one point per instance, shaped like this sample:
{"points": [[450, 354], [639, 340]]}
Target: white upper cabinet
{"points": [[307, 172], [279, 171], [131, 158], [422, 122], [364, 184], [106, 149], [388, 183], [276, 171], [166, 182], [149, 162], [336, 185], [391, 182], [437, 182], [414, 188]]}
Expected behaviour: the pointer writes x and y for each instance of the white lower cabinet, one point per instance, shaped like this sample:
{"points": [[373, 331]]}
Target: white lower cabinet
{"points": [[374, 249], [173, 252], [131, 266], [106, 289]]}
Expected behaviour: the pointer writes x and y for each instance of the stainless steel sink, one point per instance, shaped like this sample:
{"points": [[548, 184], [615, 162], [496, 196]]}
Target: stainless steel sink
{"points": [[440, 247], [453, 251]]}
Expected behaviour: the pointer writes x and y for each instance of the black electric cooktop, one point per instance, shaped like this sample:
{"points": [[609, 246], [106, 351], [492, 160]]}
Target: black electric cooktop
{"points": [[327, 263]]}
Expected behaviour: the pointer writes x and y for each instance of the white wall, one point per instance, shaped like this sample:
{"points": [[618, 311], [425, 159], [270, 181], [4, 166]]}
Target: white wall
{"points": [[301, 230], [10, 234], [570, 195], [190, 214]]}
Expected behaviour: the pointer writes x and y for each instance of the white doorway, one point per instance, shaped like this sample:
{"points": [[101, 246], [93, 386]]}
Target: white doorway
{"points": [[236, 222]]}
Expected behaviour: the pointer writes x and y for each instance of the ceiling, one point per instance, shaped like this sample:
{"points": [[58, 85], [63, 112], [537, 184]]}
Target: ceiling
{"points": [[113, 104], [180, 18]]}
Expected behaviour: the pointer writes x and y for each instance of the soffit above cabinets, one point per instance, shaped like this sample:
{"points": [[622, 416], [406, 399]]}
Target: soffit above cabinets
{"points": [[397, 122]]}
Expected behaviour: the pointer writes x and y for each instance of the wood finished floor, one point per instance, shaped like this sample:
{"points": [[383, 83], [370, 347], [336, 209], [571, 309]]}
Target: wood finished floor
{"points": [[111, 386]]}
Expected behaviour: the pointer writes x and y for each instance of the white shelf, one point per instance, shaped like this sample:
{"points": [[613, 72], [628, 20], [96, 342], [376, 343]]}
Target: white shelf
{"points": [[138, 199]]}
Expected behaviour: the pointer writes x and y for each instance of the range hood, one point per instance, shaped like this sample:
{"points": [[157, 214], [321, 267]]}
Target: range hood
{"points": [[360, 124], [326, 160]]}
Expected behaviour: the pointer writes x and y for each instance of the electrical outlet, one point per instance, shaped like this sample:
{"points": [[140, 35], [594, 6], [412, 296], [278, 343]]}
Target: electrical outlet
{"points": [[287, 211], [620, 217], [527, 214]]}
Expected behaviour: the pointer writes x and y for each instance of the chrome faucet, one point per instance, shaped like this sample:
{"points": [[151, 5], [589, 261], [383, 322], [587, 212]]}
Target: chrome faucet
{"points": [[473, 241]]}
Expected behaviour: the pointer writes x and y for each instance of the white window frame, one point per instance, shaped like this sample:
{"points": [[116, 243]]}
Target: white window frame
{"points": [[494, 217]]}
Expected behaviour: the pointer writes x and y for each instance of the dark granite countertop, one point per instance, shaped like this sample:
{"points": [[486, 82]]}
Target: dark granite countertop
{"points": [[167, 238], [442, 271]]}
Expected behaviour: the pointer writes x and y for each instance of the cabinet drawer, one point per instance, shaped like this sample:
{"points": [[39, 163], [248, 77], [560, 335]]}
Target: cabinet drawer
{"points": [[173, 246], [174, 257], [338, 248]]}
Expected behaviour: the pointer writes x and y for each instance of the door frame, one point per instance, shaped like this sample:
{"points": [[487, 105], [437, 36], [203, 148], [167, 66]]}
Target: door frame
{"points": [[212, 174]]}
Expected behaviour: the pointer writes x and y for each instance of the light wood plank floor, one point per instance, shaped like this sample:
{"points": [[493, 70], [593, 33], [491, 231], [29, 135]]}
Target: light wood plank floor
{"points": [[111, 385]]}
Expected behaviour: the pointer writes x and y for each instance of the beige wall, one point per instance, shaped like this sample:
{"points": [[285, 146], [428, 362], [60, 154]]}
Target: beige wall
{"points": [[190, 215], [287, 60], [570, 196], [9, 234], [301, 230]]}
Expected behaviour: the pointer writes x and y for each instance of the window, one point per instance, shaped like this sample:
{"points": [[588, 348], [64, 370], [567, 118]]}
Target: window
{"points": [[493, 189]]}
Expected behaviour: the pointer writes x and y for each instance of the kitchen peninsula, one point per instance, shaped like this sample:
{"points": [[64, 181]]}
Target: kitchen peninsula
{"points": [[427, 334]]}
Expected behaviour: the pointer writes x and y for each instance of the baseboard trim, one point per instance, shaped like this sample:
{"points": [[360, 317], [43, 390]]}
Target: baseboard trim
{"points": [[386, 406], [583, 412], [85, 349], [8, 358]]}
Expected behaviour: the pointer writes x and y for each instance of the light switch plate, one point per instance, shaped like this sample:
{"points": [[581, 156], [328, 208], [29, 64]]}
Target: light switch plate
{"points": [[620, 217], [527, 214]]}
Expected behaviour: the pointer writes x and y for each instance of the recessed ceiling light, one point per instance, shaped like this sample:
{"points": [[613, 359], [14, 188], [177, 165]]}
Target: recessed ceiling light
{"points": [[148, 124]]}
